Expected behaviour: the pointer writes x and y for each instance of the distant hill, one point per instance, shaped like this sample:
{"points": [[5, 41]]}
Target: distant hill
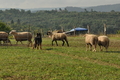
{"points": [[101, 8], [33, 9], [78, 9]]}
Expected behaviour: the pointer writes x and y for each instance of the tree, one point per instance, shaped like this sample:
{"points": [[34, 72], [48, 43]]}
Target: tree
{"points": [[112, 10], [60, 9], [22, 11], [91, 10], [28, 12], [3, 27], [85, 10], [66, 9], [12, 22], [18, 21]]}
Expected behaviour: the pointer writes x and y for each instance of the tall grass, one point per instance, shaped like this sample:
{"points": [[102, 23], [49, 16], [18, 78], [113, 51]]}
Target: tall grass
{"points": [[60, 62]]}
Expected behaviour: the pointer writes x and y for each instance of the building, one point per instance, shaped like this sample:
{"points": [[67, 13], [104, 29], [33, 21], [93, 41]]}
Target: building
{"points": [[77, 31]]}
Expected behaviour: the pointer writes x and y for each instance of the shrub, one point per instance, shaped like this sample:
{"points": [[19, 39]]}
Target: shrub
{"points": [[4, 27]]}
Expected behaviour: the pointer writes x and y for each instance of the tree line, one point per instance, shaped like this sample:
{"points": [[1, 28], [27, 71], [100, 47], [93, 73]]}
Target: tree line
{"points": [[22, 20]]}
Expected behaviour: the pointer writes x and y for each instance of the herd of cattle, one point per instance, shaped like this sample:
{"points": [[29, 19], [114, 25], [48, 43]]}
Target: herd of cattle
{"points": [[91, 40]]}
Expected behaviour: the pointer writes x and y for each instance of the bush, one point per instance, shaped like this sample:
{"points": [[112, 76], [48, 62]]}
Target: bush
{"points": [[4, 27]]}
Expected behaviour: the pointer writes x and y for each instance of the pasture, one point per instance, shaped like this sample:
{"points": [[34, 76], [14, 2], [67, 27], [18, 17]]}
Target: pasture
{"points": [[60, 62]]}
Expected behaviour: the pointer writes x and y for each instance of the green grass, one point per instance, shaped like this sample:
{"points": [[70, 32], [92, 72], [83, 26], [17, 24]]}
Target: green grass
{"points": [[60, 62]]}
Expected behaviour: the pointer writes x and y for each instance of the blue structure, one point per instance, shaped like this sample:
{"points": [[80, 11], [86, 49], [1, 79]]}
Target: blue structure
{"points": [[77, 31]]}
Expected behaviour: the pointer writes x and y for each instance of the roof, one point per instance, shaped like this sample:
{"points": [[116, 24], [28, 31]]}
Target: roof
{"points": [[79, 29]]}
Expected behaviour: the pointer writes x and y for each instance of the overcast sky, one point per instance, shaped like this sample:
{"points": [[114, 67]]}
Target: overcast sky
{"points": [[53, 3]]}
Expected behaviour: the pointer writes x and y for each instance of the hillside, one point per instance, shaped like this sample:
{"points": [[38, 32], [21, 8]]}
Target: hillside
{"points": [[22, 20], [101, 8]]}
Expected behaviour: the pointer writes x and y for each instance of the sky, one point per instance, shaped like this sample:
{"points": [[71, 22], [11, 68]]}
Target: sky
{"points": [[25, 4]]}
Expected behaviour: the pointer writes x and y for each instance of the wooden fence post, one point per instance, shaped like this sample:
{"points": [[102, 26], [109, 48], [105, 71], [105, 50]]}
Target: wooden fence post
{"points": [[74, 30], [105, 29], [88, 27]]}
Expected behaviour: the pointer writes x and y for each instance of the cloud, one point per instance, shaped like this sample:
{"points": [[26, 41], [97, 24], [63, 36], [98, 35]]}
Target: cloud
{"points": [[10, 3], [53, 3], [41, 3]]}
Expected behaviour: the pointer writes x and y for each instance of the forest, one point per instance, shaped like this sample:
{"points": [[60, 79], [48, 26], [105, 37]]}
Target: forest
{"points": [[22, 20]]}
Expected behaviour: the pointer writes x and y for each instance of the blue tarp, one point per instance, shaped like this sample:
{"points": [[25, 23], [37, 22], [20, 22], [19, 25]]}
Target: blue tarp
{"points": [[79, 29]]}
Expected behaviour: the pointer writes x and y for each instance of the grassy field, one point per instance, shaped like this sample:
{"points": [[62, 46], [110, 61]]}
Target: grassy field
{"points": [[60, 62]]}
